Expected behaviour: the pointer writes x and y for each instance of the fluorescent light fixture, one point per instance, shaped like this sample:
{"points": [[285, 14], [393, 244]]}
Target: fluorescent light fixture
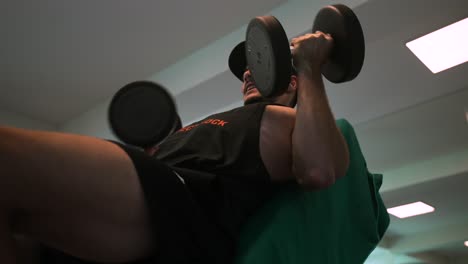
{"points": [[412, 209], [444, 48]]}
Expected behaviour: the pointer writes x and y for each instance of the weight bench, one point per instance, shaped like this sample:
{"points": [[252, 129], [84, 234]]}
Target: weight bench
{"points": [[339, 225]]}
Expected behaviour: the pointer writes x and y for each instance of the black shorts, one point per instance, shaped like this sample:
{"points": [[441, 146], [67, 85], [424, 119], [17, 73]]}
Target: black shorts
{"points": [[182, 227], [193, 221]]}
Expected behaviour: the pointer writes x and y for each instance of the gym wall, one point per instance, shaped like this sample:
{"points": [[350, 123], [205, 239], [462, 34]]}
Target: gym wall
{"points": [[8, 118]]}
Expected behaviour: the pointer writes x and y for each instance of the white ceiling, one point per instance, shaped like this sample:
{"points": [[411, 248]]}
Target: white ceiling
{"points": [[62, 58]]}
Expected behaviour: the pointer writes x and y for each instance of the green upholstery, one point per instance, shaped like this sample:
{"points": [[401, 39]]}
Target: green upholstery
{"points": [[342, 224]]}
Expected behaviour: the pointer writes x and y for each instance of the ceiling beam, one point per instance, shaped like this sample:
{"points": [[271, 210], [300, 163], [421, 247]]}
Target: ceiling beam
{"points": [[431, 239], [431, 258], [433, 169]]}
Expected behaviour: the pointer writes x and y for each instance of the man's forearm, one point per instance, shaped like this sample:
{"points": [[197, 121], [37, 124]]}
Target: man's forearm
{"points": [[320, 153]]}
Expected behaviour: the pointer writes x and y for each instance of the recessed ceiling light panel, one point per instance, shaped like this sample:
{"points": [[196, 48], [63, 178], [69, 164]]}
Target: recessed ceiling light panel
{"points": [[409, 210], [444, 48]]}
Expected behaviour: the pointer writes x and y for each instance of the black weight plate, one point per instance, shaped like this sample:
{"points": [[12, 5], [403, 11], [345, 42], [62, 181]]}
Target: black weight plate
{"points": [[142, 113], [268, 55], [347, 56]]}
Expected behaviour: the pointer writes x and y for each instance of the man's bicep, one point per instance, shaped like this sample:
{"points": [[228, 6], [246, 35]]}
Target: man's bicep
{"points": [[276, 142]]}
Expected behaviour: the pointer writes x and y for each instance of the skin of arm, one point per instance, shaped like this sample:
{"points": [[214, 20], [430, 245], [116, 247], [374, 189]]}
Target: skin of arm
{"points": [[319, 151], [305, 144]]}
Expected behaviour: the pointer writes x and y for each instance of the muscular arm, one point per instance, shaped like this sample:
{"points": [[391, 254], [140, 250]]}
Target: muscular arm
{"points": [[319, 151], [306, 145]]}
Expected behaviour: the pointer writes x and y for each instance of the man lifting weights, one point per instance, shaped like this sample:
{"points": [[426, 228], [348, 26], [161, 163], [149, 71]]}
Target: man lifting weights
{"points": [[105, 202]]}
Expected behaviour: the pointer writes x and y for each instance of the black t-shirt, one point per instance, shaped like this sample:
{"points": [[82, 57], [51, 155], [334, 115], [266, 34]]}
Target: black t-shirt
{"points": [[219, 158], [223, 144]]}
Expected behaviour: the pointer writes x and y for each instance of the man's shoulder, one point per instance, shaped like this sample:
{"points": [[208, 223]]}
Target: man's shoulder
{"points": [[280, 111], [280, 117]]}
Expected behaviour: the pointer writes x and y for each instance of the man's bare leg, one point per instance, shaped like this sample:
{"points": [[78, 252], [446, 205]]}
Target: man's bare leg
{"points": [[78, 194]]}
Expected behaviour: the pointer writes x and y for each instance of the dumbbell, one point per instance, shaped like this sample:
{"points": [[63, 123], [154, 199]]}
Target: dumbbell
{"points": [[143, 114], [268, 52]]}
